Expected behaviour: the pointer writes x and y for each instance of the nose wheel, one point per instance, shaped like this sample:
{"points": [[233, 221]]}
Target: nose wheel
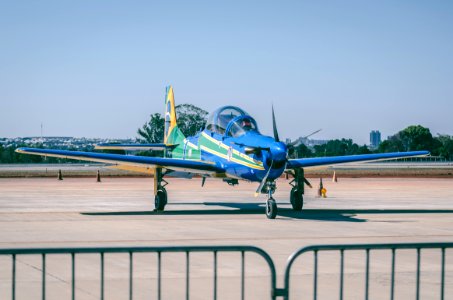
{"points": [[271, 208]]}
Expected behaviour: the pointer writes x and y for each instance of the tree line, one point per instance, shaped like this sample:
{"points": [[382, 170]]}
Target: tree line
{"points": [[9, 156], [191, 119], [412, 138]]}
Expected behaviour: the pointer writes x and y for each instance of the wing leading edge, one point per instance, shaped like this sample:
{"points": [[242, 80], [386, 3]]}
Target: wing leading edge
{"points": [[134, 147], [333, 160], [193, 166]]}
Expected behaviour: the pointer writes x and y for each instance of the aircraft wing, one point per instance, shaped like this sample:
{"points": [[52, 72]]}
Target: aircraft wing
{"points": [[131, 147], [193, 166], [333, 160]]}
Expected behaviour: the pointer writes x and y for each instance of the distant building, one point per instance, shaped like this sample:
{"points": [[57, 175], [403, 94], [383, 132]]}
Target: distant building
{"points": [[375, 138]]}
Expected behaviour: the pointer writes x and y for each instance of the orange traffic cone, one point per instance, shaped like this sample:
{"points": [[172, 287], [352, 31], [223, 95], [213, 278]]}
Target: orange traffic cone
{"points": [[320, 187]]}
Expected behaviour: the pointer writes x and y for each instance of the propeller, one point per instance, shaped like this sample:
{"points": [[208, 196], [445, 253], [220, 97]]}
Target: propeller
{"points": [[260, 187], [292, 145], [277, 139], [271, 159], [274, 125]]}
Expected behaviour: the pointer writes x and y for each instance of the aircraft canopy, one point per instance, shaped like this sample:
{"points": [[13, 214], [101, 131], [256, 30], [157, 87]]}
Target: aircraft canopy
{"points": [[218, 120], [230, 120]]}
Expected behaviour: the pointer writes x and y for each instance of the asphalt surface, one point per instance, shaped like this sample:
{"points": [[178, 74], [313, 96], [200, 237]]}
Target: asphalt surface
{"points": [[79, 212]]}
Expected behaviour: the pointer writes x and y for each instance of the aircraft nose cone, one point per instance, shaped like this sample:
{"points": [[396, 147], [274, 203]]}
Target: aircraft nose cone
{"points": [[278, 155], [279, 151]]}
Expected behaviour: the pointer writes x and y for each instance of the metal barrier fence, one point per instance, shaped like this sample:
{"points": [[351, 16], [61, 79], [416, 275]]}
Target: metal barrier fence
{"points": [[73, 252], [368, 248], [215, 250]]}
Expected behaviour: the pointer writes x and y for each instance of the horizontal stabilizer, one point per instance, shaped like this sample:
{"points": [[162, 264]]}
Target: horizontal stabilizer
{"points": [[134, 147]]}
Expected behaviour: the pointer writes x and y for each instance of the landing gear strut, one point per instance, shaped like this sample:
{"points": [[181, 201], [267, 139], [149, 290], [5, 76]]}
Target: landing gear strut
{"points": [[297, 192], [160, 193], [271, 205]]}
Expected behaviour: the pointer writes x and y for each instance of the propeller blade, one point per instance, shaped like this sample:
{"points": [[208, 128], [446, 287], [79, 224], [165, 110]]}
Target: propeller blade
{"points": [[274, 124], [260, 187], [313, 133]]}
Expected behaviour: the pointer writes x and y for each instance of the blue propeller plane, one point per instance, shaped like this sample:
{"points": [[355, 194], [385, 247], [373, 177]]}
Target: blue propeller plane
{"points": [[230, 147]]}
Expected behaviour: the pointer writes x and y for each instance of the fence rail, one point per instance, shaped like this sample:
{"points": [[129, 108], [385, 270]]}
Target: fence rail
{"points": [[44, 252], [215, 250], [367, 248]]}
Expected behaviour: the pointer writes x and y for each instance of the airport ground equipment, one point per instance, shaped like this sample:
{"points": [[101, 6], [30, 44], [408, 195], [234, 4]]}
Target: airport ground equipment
{"points": [[230, 147], [44, 256]]}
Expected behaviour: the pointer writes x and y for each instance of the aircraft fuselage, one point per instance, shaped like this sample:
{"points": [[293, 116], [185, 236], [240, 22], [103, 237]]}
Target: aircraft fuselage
{"points": [[247, 157]]}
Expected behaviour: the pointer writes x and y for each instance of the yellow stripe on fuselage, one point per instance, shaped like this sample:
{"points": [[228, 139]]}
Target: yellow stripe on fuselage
{"points": [[204, 148], [244, 156], [191, 144]]}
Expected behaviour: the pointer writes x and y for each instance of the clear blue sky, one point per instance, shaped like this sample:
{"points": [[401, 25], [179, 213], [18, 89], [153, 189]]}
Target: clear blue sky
{"points": [[99, 68]]}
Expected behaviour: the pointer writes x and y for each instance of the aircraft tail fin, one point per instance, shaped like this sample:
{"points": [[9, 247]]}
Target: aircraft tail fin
{"points": [[172, 134]]}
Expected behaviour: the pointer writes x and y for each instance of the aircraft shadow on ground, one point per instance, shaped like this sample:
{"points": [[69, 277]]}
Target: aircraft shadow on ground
{"points": [[284, 210]]}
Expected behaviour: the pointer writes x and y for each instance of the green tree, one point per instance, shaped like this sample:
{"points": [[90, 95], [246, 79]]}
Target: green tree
{"points": [[340, 147], [191, 120], [392, 144], [412, 138], [446, 146], [153, 130], [300, 151]]}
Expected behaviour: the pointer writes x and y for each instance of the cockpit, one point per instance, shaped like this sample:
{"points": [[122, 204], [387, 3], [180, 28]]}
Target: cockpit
{"points": [[230, 121]]}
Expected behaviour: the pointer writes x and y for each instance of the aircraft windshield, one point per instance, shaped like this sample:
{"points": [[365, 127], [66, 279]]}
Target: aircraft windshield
{"points": [[219, 119], [241, 125]]}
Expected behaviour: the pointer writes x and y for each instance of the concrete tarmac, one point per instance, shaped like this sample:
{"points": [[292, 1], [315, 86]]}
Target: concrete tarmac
{"points": [[44, 212]]}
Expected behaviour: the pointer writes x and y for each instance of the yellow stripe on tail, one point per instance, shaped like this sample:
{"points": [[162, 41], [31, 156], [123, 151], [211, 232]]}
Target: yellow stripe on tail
{"points": [[170, 114], [172, 135]]}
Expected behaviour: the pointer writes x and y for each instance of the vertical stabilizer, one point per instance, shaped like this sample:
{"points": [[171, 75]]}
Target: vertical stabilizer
{"points": [[172, 134]]}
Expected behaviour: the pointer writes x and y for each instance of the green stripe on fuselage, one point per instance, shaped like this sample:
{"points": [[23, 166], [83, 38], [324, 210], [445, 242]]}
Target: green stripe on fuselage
{"points": [[219, 149]]}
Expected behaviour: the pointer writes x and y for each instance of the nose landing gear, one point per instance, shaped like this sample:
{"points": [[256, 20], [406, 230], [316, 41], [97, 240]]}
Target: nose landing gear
{"points": [[271, 205], [271, 208]]}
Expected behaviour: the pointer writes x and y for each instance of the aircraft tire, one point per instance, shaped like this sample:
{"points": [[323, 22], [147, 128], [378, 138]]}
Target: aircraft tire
{"points": [[297, 199], [160, 200], [271, 209]]}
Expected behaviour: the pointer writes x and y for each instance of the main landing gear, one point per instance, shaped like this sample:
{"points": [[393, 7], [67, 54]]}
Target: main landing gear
{"points": [[296, 195], [160, 193]]}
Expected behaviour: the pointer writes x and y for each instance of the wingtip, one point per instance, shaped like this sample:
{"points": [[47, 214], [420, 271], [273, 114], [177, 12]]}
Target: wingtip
{"points": [[20, 150]]}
